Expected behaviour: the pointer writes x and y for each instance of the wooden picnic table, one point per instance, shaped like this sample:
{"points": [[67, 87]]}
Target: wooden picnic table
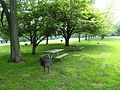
{"points": [[51, 53], [54, 51], [76, 47]]}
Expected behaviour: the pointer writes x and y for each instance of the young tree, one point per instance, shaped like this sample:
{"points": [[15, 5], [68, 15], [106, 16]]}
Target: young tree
{"points": [[37, 24], [69, 13]]}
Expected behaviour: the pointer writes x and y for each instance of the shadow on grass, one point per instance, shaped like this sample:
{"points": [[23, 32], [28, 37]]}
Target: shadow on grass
{"points": [[89, 48], [32, 60], [83, 67]]}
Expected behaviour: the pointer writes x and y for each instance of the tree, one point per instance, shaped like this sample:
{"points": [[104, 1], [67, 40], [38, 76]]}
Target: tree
{"points": [[109, 16], [94, 23], [12, 23], [117, 27], [37, 23], [69, 14]]}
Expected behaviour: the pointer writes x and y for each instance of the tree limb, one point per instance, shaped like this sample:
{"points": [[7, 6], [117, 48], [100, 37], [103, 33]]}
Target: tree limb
{"points": [[26, 37], [2, 17], [41, 40], [7, 13]]}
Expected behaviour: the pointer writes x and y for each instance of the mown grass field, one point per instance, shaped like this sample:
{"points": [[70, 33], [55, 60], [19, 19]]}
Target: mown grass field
{"points": [[97, 67]]}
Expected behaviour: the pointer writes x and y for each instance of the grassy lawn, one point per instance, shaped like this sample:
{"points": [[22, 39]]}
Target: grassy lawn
{"points": [[97, 67]]}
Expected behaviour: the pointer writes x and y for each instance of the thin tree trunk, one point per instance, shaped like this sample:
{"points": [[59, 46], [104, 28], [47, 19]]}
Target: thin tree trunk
{"points": [[6, 41], [78, 37], [102, 37], [86, 36], [34, 49], [47, 40]]}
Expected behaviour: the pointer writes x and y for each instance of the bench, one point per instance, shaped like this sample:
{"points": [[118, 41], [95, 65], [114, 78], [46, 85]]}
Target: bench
{"points": [[60, 56]]}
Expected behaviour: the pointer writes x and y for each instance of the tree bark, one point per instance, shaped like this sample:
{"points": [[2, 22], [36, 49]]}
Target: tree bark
{"points": [[12, 22], [31, 42], [86, 36], [5, 9], [102, 37], [14, 39], [78, 37], [34, 49], [6, 41], [47, 40], [66, 41]]}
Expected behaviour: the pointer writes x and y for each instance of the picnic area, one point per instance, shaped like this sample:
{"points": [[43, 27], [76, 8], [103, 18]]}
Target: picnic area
{"points": [[95, 67], [59, 45]]}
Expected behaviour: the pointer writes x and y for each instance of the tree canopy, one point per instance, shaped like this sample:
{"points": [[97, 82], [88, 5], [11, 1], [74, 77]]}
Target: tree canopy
{"points": [[39, 19]]}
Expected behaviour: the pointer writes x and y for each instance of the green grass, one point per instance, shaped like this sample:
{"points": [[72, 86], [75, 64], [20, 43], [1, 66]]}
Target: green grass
{"points": [[97, 67]]}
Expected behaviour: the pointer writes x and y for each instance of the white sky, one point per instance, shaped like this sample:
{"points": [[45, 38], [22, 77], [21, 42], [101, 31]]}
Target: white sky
{"points": [[115, 7]]}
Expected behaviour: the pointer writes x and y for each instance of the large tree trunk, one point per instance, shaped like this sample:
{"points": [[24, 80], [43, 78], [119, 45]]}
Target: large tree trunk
{"points": [[34, 49], [66, 41], [14, 39], [12, 22]]}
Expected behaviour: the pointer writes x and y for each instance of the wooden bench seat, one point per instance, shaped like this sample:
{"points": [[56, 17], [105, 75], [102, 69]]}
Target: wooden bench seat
{"points": [[60, 56]]}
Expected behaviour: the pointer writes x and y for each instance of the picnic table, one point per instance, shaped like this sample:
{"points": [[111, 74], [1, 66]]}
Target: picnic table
{"points": [[51, 53], [76, 47], [54, 51]]}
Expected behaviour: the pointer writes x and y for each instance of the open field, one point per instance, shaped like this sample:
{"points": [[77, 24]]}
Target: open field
{"points": [[97, 67]]}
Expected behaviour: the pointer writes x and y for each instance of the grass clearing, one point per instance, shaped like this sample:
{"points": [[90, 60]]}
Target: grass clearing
{"points": [[97, 67]]}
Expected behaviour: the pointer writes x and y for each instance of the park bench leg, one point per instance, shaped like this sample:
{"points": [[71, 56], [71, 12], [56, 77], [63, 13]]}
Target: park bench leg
{"points": [[49, 56]]}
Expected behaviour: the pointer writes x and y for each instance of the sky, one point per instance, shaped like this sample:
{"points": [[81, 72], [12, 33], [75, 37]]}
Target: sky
{"points": [[115, 7]]}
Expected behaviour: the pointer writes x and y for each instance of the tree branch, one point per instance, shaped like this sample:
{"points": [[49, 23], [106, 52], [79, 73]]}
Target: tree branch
{"points": [[26, 37], [2, 17], [41, 40], [7, 13]]}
